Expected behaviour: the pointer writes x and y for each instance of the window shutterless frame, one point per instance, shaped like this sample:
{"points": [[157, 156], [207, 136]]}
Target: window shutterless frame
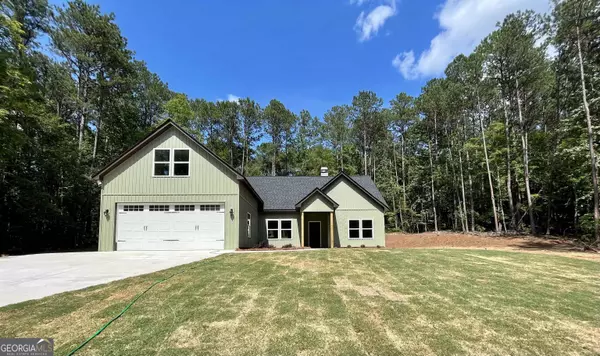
{"points": [[361, 229], [179, 162], [279, 229], [171, 163], [161, 161], [274, 229], [249, 225]]}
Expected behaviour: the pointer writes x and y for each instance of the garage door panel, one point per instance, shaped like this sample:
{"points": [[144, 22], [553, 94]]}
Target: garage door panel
{"points": [[191, 227]]}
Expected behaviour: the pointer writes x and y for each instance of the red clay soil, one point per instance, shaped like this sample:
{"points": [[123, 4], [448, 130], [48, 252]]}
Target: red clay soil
{"points": [[483, 241]]}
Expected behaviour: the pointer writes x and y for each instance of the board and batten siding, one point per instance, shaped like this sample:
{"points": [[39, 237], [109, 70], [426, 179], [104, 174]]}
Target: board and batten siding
{"points": [[316, 203], [248, 204], [354, 204], [210, 181], [294, 216]]}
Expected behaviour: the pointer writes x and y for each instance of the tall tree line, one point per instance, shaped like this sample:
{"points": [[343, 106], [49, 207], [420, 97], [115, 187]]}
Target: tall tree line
{"points": [[505, 140]]}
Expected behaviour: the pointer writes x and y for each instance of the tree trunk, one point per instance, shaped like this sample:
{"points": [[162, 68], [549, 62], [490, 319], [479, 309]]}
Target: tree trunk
{"points": [[273, 162], [470, 179], [96, 135], [432, 189], [487, 164], [590, 133], [396, 185], [403, 172], [245, 146], [100, 113], [462, 187], [525, 145], [511, 205], [342, 154], [365, 150], [500, 205], [455, 194], [82, 116]]}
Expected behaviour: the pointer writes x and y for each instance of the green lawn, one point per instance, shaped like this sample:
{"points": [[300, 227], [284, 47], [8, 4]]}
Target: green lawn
{"points": [[336, 302]]}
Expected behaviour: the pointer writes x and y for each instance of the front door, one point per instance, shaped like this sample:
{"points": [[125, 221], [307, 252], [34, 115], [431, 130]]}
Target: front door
{"points": [[314, 234]]}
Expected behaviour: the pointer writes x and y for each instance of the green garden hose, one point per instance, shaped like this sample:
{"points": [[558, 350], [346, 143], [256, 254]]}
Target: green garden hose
{"points": [[122, 312]]}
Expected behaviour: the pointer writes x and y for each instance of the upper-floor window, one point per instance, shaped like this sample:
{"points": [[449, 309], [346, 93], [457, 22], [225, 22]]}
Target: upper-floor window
{"points": [[171, 162], [162, 162]]}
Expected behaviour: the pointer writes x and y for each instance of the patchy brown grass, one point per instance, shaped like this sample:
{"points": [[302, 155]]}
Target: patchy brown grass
{"points": [[335, 302]]}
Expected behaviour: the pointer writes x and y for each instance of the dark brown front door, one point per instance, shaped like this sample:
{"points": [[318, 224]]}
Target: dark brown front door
{"points": [[314, 234]]}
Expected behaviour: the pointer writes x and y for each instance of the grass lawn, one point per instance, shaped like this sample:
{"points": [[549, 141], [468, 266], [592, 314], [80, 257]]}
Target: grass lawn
{"points": [[336, 302]]}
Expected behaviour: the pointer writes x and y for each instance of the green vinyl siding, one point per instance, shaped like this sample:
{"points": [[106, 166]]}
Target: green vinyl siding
{"points": [[135, 175], [341, 228], [248, 204], [210, 181], [316, 203], [354, 204], [294, 216]]}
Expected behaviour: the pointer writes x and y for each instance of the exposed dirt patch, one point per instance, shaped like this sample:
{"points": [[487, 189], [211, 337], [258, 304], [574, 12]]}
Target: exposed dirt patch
{"points": [[508, 242]]}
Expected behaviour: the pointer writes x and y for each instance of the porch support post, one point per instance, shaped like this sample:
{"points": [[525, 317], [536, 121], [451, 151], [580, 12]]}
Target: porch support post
{"points": [[331, 229], [302, 229]]}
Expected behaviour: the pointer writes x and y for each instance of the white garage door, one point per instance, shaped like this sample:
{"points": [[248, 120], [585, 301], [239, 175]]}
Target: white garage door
{"points": [[170, 226]]}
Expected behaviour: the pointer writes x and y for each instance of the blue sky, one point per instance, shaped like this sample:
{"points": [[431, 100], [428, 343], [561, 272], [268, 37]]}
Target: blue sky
{"points": [[310, 54]]}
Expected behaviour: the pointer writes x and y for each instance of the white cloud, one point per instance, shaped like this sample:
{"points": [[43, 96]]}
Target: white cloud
{"points": [[368, 24], [233, 98], [463, 24], [405, 64], [230, 97]]}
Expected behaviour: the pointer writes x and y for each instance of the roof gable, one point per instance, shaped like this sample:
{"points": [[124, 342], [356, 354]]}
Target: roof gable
{"points": [[317, 194], [162, 128], [155, 134], [380, 201]]}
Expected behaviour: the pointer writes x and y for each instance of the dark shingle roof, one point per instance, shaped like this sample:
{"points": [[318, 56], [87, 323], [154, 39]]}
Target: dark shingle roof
{"points": [[282, 193]]}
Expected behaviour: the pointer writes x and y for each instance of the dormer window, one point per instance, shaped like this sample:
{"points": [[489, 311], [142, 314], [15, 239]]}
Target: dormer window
{"points": [[171, 162]]}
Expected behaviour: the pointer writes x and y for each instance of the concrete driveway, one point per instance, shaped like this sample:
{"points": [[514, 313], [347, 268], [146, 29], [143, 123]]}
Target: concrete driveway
{"points": [[35, 276]]}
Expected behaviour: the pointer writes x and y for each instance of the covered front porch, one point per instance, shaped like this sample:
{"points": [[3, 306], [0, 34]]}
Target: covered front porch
{"points": [[317, 214], [316, 229]]}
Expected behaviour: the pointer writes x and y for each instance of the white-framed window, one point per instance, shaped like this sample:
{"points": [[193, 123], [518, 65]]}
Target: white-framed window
{"points": [[181, 162], [249, 225], [162, 162], [360, 229], [169, 162], [185, 207], [158, 207], [133, 208], [279, 228]]}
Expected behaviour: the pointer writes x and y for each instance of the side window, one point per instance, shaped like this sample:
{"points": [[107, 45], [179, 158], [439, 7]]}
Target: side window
{"points": [[249, 225]]}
